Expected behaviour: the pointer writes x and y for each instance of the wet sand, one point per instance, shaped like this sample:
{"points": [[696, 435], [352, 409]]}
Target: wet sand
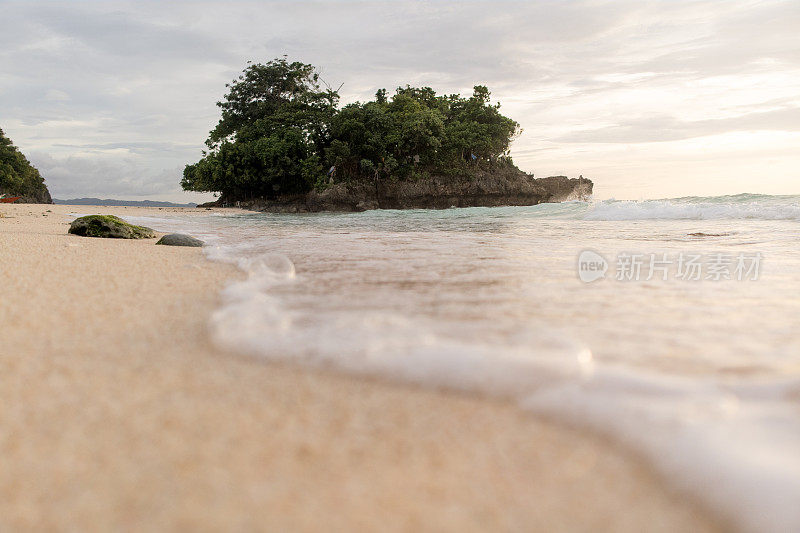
{"points": [[116, 412]]}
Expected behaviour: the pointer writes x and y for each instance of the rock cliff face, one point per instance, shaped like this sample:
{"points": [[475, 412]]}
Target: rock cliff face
{"points": [[41, 196], [505, 186]]}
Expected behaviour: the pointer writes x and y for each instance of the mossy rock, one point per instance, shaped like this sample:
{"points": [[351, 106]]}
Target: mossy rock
{"points": [[108, 226]]}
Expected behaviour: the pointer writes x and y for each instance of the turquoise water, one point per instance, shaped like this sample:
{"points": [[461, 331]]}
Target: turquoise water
{"points": [[701, 376]]}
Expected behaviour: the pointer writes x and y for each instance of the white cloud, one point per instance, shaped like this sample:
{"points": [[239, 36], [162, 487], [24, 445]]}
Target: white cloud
{"points": [[107, 173], [54, 95]]}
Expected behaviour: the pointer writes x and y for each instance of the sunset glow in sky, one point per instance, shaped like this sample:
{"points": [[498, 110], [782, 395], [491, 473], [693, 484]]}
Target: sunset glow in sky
{"points": [[649, 99]]}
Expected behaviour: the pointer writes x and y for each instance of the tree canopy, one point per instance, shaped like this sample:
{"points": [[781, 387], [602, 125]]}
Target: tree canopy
{"points": [[281, 132], [17, 176]]}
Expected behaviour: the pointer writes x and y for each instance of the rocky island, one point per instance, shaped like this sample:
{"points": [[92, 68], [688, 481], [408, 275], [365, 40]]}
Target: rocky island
{"points": [[283, 145]]}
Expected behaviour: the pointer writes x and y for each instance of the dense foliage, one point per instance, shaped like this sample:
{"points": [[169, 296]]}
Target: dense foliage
{"points": [[17, 176], [281, 132]]}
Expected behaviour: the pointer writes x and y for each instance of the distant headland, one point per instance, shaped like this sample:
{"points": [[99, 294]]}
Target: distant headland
{"points": [[122, 203], [283, 144]]}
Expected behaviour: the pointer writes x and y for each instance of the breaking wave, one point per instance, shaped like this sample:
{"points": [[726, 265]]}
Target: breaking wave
{"points": [[737, 207]]}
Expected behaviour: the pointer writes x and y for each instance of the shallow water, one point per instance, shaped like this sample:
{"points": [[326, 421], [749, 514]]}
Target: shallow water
{"points": [[702, 376]]}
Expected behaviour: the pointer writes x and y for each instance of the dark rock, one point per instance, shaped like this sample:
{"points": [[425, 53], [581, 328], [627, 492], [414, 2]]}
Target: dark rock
{"points": [[108, 226], [41, 196], [366, 205], [481, 188], [179, 239]]}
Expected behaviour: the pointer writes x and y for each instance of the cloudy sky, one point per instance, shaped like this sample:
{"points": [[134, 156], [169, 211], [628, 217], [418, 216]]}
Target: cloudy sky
{"points": [[650, 99]]}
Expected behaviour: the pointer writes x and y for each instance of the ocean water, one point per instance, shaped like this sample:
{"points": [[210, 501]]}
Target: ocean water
{"points": [[700, 376]]}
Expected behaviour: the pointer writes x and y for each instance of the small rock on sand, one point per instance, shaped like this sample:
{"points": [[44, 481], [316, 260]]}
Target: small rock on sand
{"points": [[179, 239]]}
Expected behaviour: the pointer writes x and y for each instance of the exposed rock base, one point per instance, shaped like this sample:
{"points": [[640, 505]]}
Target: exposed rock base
{"points": [[499, 187]]}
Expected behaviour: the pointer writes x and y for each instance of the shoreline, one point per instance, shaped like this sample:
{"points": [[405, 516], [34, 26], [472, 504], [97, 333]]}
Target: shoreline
{"points": [[118, 412]]}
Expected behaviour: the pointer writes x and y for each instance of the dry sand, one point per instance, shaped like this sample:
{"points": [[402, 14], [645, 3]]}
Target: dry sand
{"points": [[117, 413]]}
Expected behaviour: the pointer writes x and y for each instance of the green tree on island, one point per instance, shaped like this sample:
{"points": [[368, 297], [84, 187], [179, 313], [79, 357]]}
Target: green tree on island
{"points": [[17, 176], [281, 132], [272, 134]]}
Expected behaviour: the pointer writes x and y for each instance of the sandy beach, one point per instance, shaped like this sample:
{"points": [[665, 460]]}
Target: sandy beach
{"points": [[117, 412]]}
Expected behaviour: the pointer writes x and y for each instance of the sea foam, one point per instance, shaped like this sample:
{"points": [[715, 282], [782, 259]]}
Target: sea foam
{"points": [[752, 207], [487, 301]]}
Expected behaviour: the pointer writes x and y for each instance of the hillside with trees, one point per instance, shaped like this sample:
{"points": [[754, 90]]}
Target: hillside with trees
{"points": [[18, 177], [282, 137]]}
